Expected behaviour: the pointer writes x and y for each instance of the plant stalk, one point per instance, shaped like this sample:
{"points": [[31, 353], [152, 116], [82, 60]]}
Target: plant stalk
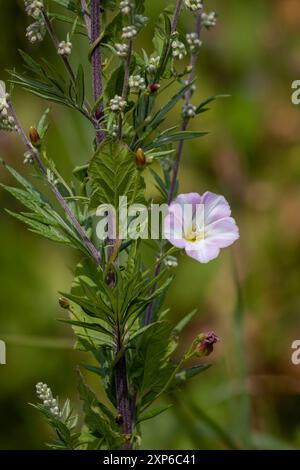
{"points": [[37, 157], [122, 395], [97, 63]]}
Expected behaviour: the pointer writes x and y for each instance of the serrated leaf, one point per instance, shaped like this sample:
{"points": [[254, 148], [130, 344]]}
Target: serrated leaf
{"points": [[98, 417], [113, 174]]}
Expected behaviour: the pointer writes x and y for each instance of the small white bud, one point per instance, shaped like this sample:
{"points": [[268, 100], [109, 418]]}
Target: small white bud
{"points": [[36, 32], [153, 64], [140, 21], [194, 5], [193, 41], [171, 262], [34, 8], [64, 48], [122, 49], [129, 32], [209, 20], [125, 7], [136, 84], [178, 49], [189, 110], [117, 104]]}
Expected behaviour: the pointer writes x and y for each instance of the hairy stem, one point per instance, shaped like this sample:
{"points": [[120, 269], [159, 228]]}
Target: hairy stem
{"points": [[125, 84], [122, 395], [37, 157], [96, 62], [167, 45]]}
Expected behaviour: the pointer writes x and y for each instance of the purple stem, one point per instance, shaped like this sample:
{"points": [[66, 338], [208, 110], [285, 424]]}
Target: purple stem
{"points": [[178, 8], [36, 155], [65, 60], [125, 84], [122, 395], [96, 62], [185, 122]]}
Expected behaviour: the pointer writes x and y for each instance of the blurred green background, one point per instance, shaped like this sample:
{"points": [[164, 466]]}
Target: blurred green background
{"points": [[250, 398]]}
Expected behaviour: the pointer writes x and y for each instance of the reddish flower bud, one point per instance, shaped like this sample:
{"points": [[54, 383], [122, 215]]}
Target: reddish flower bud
{"points": [[34, 137], [154, 87], [206, 343]]}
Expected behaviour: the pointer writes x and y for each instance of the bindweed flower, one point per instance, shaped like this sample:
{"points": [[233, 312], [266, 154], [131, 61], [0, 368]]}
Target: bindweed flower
{"points": [[136, 84], [202, 225], [194, 5], [129, 32], [44, 393], [64, 48], [189, 110], [193, 41], [36, 32], [122, 49], [178, 49], [125, 7], [153, 64], [209, 20], [34, 8], [117, 104], [205, 344]]}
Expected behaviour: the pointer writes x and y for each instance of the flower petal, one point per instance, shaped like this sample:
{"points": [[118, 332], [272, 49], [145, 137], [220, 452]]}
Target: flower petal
{"points": [[222, 233], [188, 198], [215, 207], [202, 251]]}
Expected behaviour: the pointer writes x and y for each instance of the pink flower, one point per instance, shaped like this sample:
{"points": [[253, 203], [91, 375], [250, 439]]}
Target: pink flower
{"points": [[201, 225]]}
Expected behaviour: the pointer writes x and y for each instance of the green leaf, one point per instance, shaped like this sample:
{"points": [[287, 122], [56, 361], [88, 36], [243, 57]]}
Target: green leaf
{"points": [[152, 413], [113, 174], [174, 137], [187, 374], [99, 419], [69, 4], [79, 85], [152, 367], [202, 106], [115, 83], [162, 113], [184, 322]]}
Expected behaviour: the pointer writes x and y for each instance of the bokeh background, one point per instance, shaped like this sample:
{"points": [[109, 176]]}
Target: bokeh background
{"points": [[250, 295]]}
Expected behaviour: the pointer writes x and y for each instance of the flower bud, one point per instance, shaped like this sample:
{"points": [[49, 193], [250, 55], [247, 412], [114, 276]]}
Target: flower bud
{"points": [[34, 137], [205, 344], [140, 158], [153, 87], [64, 303]]}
